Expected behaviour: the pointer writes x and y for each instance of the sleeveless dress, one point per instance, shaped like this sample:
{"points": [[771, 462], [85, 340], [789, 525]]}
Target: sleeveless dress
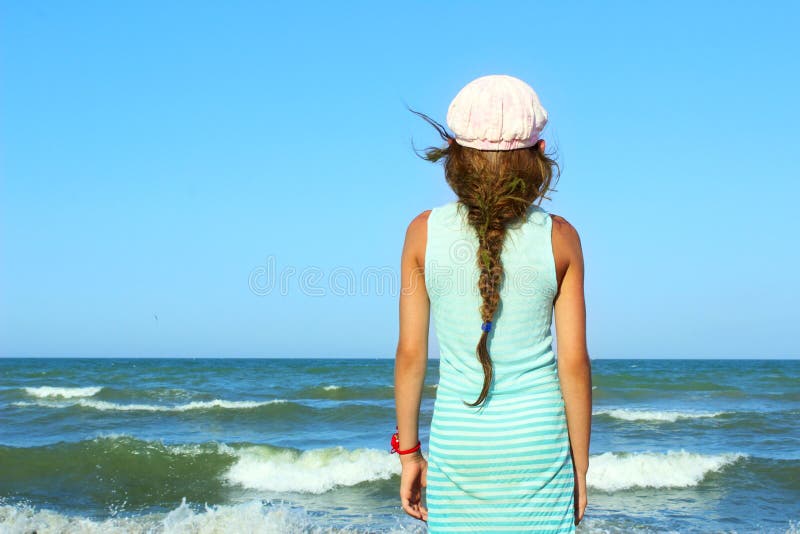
{"points": [[504, 466]]}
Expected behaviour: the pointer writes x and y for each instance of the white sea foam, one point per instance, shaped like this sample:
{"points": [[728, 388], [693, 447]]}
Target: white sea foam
{"points": [[612, 471], [628, 414], [66, 393], [331, 388], [256, 517], [312, 471], [113, 406]]}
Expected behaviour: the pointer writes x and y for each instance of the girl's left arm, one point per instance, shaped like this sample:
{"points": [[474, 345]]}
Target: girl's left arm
{"points": [[412, 347]]}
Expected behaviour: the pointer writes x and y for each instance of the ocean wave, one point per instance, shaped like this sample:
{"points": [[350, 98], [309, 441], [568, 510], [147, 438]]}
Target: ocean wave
{"points": [[353, 392], [207, 467], [628, 414], [63, 392], [313, 471], [195, 405], [285, 412], [267, 517], [613, 471], [258, 517]]}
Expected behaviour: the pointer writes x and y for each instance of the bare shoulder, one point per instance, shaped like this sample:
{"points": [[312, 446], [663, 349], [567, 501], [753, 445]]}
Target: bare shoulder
{"points": [[418, 227], [417, 236], [565, 235], [420, 222], [567, 251]]}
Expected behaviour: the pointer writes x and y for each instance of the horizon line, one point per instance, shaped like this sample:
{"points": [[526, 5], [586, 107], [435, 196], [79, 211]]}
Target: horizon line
{"points": [[389, 358]]}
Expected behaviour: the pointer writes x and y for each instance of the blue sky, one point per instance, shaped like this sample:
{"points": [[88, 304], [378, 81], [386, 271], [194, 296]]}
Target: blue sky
{"points": [[157, 157]]}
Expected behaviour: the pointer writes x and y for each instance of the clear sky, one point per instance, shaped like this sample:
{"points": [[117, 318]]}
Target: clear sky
{"points": [[159, 159]]}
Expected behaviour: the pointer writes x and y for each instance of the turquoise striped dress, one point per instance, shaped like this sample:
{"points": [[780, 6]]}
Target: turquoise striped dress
{"points": [[505, 466]]}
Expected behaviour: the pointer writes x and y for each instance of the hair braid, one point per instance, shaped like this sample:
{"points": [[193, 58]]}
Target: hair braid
{"points": [[490, 263]]}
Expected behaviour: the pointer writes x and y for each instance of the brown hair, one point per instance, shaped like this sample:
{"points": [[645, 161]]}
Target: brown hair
{"points": [[496, 187]]}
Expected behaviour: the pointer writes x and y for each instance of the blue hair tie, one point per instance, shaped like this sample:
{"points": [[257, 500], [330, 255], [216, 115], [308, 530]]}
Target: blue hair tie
{"points": [[487, 326]]}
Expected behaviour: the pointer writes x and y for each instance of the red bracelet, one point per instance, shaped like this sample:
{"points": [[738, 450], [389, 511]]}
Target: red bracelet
{"points": [[396, 445]]}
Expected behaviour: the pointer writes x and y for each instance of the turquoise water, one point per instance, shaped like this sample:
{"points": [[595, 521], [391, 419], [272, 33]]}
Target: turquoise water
{"points": [[278, 445]]}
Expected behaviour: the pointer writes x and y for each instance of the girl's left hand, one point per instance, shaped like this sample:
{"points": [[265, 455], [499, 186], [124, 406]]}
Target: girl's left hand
{"points": [[412, 480]]}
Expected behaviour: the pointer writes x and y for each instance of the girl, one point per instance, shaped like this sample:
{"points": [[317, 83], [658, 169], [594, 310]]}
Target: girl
{"points": [[509, 438]]}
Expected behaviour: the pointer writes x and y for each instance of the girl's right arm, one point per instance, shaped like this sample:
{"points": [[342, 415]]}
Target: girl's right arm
{"points": [[574, 367]]}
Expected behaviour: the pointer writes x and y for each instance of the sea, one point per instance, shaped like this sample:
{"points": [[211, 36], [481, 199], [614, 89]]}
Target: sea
{"points": [[302, 445]]}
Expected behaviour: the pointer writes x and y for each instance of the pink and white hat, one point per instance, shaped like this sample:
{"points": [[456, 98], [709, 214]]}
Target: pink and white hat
{"points": [[496, 112]]}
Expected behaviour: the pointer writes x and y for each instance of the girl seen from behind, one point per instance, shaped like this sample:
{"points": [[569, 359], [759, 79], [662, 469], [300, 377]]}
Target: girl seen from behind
{"points": [[510, 432]]}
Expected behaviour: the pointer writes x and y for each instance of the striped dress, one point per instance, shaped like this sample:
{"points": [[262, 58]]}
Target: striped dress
{"points": [[505, 466]]}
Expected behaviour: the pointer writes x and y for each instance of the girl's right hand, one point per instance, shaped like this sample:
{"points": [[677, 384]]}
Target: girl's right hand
{"points": [[412, 480], [580, 495]]}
